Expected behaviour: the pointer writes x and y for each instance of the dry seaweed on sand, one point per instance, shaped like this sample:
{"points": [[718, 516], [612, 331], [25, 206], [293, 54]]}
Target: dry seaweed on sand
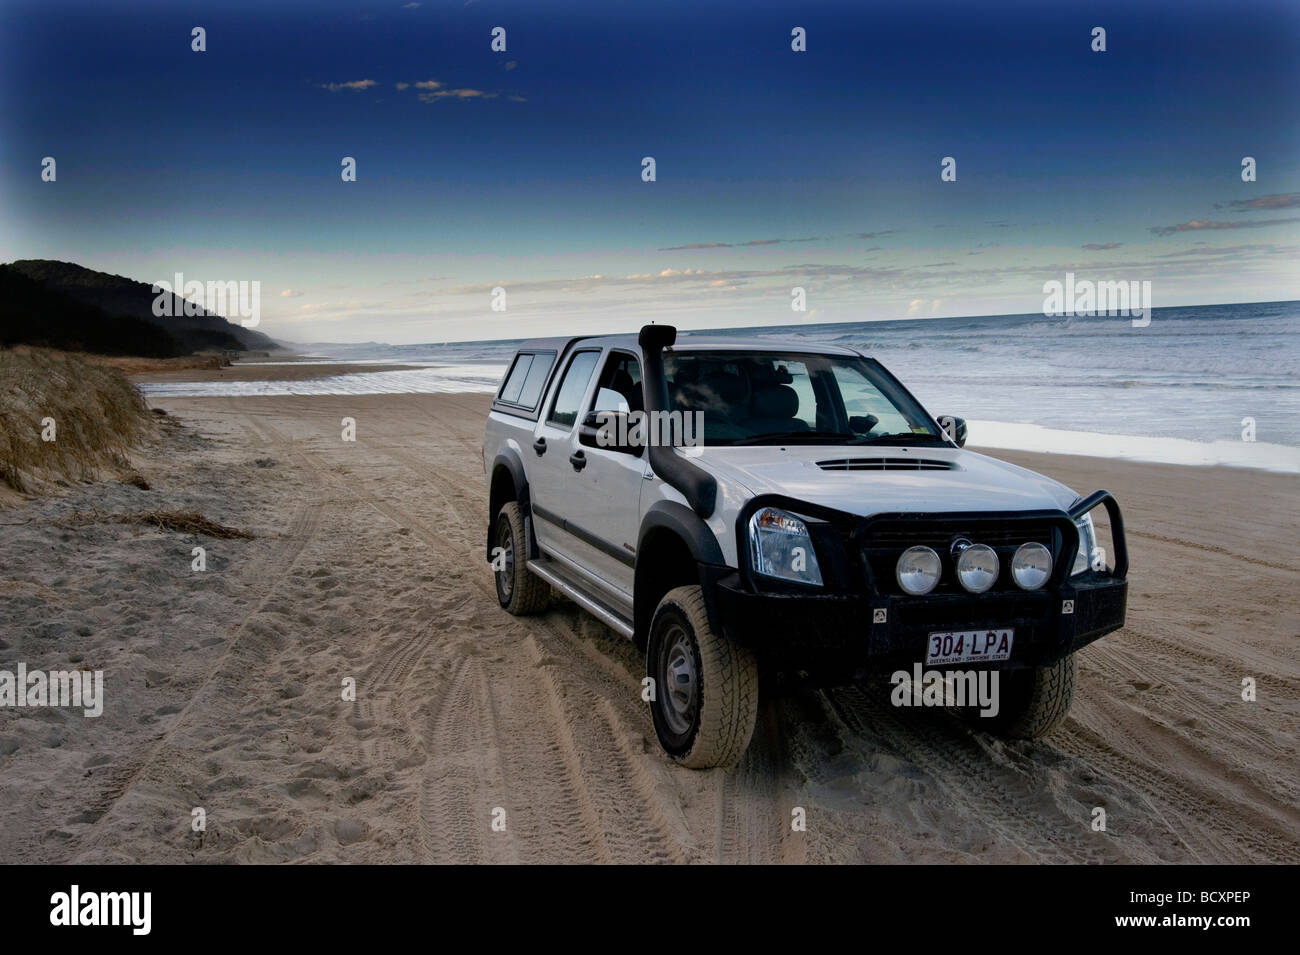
{"points": [[183, 522]]}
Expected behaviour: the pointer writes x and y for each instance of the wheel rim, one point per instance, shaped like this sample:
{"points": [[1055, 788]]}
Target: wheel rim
{"points": [[506, 576], [679, 680]]}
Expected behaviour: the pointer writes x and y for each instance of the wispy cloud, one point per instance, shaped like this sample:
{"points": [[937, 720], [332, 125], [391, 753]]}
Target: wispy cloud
{"points": [[738, 245], [353, 85], [1279, 200], [1198, 225], [431, 91], [1101, 246], [815, 238], [1203, 250], [752, 243], [462, 94], [711, 296]]}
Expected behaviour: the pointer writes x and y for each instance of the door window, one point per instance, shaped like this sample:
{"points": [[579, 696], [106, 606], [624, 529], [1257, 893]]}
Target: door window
{"points": [[564, 411], [620, 385]]}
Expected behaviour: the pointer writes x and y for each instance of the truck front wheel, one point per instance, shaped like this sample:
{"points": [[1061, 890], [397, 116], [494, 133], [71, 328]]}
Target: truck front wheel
{"points": [[705, 691], [1031, 702]]}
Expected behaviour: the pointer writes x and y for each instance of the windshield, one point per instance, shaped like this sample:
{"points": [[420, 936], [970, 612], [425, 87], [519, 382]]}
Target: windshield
{"points": [[772, 397]]}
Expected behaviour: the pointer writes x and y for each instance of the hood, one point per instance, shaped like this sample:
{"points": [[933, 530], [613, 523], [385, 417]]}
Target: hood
{"points": [[881, 479]]}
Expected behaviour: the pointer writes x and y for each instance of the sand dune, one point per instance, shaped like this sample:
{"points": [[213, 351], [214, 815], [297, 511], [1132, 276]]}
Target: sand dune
{"points": [[224, 688]]}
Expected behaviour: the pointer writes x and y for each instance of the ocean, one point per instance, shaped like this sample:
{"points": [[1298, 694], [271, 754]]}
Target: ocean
{"points": [[1191, 387]]}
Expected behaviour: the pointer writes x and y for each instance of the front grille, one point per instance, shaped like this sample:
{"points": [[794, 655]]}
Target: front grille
{"points": [[941, 538], [883, 464]]}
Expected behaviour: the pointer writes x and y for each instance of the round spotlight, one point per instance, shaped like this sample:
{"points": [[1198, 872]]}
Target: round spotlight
{"points": [[918, 570], [977, 568], [1031, 566]]}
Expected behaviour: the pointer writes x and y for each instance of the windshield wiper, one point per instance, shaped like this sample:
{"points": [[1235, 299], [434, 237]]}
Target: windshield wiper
{"points": [[901, 438], [786, 436]]}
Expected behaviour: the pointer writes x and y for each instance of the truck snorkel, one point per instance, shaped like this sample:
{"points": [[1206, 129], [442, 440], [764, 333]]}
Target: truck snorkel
{"points": [[696, 485]]}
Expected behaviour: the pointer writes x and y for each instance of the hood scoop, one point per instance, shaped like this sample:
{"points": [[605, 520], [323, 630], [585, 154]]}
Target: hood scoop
{"points": [[884, 464]]}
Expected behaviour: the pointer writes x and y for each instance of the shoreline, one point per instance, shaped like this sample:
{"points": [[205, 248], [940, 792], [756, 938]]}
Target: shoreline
{"points": [[270, 368], [285, 376]]}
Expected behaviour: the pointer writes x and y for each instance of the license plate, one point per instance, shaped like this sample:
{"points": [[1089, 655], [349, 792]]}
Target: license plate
{"points": [[969, 646]]}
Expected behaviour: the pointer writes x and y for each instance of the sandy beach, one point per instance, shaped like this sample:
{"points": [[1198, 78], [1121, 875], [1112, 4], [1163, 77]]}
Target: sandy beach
{"points": [[224, 688]]}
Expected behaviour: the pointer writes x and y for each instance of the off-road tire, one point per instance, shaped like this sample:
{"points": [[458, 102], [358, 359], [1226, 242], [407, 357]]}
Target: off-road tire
{"points": [[1032, 702], [721, 721], [519, 590]]}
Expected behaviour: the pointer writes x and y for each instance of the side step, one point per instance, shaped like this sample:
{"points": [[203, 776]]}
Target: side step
{"points": [[550, 572]]}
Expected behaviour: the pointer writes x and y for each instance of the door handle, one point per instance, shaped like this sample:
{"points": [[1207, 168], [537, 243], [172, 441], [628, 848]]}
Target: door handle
{"points": [[578, 459], [540, 446]]}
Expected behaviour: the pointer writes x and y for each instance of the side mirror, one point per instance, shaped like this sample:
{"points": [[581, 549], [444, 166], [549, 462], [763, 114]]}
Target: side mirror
{"points": [[610, 431], [954, 429], [862, 424]]}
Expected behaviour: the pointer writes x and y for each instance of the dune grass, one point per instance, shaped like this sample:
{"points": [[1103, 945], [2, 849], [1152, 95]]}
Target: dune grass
{"points": [[97, 415]]}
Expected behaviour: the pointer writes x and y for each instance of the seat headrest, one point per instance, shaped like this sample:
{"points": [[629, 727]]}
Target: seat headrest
{"points": [[776, 401], [727, 389]]}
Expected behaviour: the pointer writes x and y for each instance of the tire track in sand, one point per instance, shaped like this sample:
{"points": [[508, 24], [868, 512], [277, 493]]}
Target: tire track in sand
{"points": [[751, 812], [302, 530], [1214, 824], [457, 804], [613, 810], [455, 797], [752, 800], [537, 773], [971, 782]]}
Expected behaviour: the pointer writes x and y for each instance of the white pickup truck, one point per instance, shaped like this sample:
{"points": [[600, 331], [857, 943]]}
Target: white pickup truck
{"points": [[746, 509]]}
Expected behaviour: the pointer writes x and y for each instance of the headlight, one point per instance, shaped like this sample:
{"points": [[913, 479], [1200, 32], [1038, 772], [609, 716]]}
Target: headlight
{"points": [[779, 546], [918, 570], [1087, 554], [977, 568], [1031, 566]]}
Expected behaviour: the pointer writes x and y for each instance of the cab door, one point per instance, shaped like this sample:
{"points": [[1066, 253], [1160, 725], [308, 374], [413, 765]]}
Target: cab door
{"points": [[608, 482], [553, 494]]}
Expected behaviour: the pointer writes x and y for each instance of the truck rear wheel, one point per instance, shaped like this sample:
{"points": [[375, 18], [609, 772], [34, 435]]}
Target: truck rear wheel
{"points": [[519, 591], [1031, 702], [705, 700]]}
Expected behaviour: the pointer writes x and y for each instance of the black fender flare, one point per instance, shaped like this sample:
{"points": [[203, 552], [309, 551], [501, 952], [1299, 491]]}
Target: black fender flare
{"points": [[510, 460], [687, 525]]}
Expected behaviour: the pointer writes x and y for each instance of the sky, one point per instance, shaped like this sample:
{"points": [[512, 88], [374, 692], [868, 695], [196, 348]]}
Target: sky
{"points": [[521, 169]]}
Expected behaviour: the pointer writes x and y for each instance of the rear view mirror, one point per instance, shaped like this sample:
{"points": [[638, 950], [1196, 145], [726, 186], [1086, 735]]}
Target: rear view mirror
{"points": [[862, 424]]}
